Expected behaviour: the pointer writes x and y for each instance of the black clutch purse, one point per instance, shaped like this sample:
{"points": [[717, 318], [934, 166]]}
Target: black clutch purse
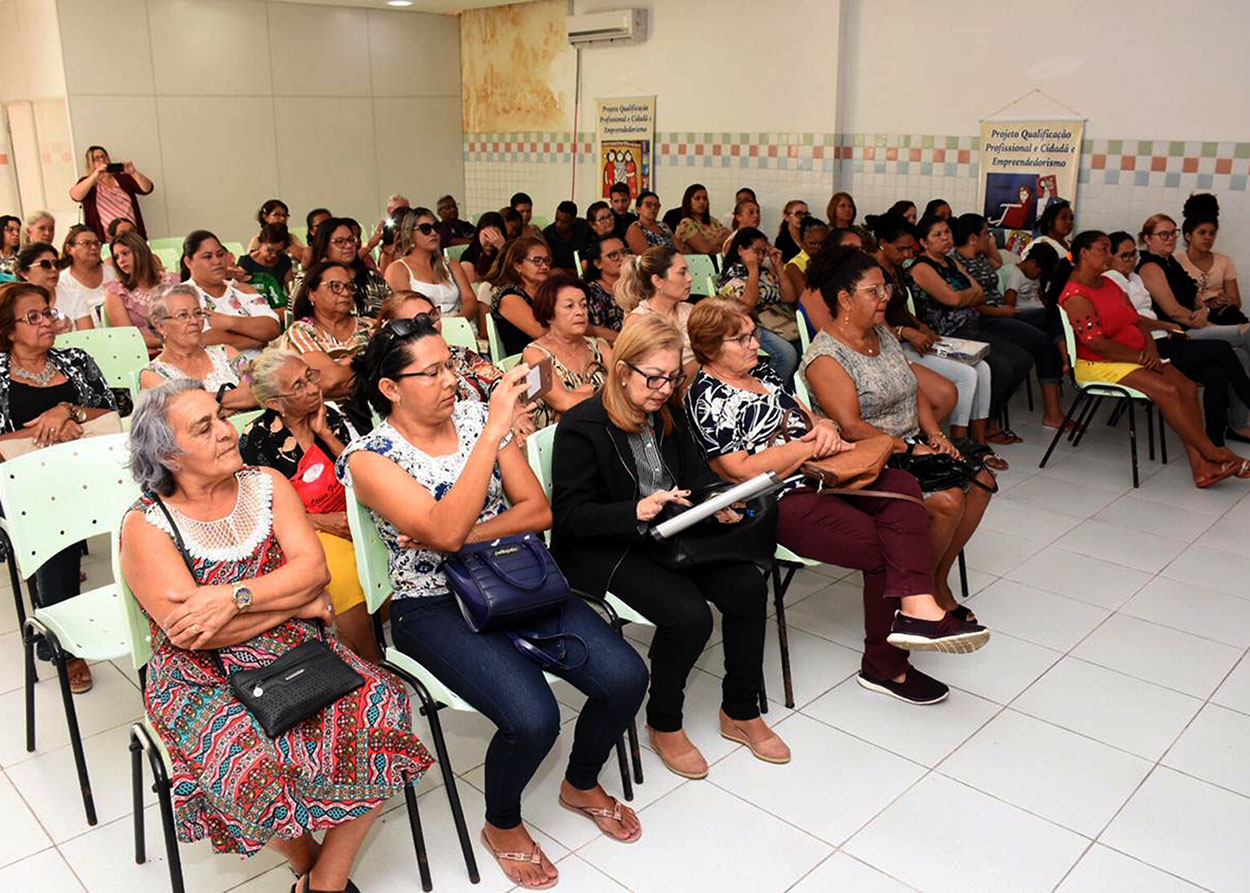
{"points": [[290, 689], [752, 539]]}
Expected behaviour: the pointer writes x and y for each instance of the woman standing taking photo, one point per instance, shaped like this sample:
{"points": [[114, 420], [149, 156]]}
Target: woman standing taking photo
{"points": [[106, 195]]}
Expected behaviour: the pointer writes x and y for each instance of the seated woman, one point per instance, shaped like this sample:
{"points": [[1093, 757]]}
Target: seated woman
{"points": [[238, 316], [1054, 227], [326, 331], [858, 376], [477, 258], [513, 223], [522, 266], [336, 240], [128, 298], [841, 211], [698, 232], [38, 264], [753, 276], [39, 226], [947, 298], [434, 476], [938, 207], [658, 281], [812, 234], [972, 252], [1210, 363], [249, 586], [601, 219], [10, 243], [300, 437], [746, 213], [1111, 346], [619, 458], [270, 256], [603, 261], [579, 362], [273, 213], [421, 267], [737, 408], [789, 239], [1213, 273], [904, 209], [46, 393], [178, 320], [84, 274], [648, 232]]}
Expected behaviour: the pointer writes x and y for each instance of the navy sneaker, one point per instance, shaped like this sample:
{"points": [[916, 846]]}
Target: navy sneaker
{"points": [[950, 634], [916, 688]]}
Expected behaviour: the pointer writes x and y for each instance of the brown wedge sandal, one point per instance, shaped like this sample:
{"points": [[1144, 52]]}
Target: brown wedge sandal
{"points": [[594, 813]]}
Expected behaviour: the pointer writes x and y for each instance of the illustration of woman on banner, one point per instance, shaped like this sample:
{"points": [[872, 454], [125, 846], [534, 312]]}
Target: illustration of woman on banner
{"points": [[609, 171], [1047, 191], [1018, 214], [631, 173]]}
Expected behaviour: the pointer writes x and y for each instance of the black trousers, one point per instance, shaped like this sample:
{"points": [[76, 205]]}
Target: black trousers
{"points": [[677, 604], [1215, 366]]}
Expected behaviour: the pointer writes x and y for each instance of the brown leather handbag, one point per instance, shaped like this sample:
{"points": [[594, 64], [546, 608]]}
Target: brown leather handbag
{"points": [[852, 469]]}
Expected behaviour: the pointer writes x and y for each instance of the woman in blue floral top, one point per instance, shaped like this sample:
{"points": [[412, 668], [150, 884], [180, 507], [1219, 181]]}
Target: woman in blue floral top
{"points": [[434, 476]]}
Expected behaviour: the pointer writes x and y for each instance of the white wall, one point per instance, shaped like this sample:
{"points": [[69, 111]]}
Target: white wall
{"points": [[226, 103]]}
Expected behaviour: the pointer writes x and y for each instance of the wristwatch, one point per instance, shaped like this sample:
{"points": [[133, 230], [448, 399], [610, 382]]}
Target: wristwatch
{"points": [[76, 413], [242, 598]]}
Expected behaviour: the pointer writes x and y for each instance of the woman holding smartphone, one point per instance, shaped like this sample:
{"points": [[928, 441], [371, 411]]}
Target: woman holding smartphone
{"points": [[108, 191]]}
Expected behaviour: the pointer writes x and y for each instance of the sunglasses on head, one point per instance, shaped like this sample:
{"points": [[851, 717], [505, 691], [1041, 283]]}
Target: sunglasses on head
{"points": [[397, 330]]}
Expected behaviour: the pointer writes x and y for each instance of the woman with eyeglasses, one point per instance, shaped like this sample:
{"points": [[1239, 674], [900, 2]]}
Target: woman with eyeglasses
{"points": [[336, 240], [421, 267], [648, 231], [579, 361], [273, 213], [238, 316], [523, 265], [1211, 363], [737, 409], [601, 219], [178, 320], [39, 264], [300, 437], [10, 243], [46, 394], [858, 376], [326, 330], [603, 261], [439, 473], [620, 458], [83, 276], [789, 239]]}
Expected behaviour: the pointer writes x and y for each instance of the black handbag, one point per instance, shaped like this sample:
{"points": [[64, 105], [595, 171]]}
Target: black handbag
{"points": [[938, 471], [709, 542], [508, 584], [293, 687]]}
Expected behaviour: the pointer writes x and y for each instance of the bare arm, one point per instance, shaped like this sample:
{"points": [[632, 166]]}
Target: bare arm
{"points": [[261, 329], [117, 317], [82, 188], [835, 393], [634, 238], [1156, 283], [1080, 309], [514, 309], [337, 378], [928, 279], [396, 276], [468, 297], [232, 339]]}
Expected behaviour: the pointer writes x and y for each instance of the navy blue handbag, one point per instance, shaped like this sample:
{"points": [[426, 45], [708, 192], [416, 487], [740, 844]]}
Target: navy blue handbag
{"points": [[508, 584]]}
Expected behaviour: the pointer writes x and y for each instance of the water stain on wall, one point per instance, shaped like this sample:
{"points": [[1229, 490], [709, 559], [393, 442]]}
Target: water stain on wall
{"points": [[513, 61]]}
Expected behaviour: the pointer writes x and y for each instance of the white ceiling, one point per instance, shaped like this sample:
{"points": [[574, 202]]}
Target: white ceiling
{"points": [[417, 5]]}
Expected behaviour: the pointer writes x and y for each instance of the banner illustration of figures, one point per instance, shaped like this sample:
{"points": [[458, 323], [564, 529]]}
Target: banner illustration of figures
{"points": [[626, 134], [1026, 165]]}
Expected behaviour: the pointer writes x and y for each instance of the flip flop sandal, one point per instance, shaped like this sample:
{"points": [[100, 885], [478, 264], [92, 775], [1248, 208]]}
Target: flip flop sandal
{"points": [[1004, 436], [81, 683], [994, 461], [1227, 470], [593, 812], [533, 857], [1243, 469]]}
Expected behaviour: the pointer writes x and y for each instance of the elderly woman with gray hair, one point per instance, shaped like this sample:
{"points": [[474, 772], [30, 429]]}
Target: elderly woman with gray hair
{"points": [[300, 437], [230, 576], [177, 318]]}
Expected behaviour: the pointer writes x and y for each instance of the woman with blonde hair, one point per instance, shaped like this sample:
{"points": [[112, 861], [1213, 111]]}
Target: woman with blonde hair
{"points": [[106, 196], [658, 281], [620, 458], [420, 266]]}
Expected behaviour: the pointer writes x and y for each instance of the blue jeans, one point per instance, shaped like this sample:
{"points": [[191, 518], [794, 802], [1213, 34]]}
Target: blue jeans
{"points": [[783, 356], [509, 689]]}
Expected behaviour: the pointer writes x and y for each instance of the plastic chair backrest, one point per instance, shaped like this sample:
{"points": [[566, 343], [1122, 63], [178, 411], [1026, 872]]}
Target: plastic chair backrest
{"points": [[702, 269], [63, 494], [577, 263], [539, 447], [453, 252], [805, 337], [492, 337], [300, 232], [1069, 336], [171, 258], [458, 330], [911, 304], [371, 554], [800, 390], [174, 242], [235, 248], [118, 352], [241, 420], [138, 633], [507, 363], [540, 222]]}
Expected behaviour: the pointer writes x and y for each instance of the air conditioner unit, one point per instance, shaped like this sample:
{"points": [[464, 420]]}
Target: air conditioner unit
{"points": [[614, 26]]}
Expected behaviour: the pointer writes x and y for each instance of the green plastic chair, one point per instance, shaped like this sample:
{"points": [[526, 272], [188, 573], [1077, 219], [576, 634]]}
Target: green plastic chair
{"points": [[539, 221], [174, 242], [55, 498], [235, 248], [300, 232], [453, 252], [241, 420], [496, 343], [702, 270], [459, 331], [1090, 395], [171, 258], [118, 352]]}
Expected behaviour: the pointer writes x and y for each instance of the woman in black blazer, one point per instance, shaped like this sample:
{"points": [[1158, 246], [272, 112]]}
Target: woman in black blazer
{"points": [[619, 458]]}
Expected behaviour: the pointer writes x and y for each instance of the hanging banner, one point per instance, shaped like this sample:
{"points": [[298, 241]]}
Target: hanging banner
{"points": [[626, 134], [1025, 165]]}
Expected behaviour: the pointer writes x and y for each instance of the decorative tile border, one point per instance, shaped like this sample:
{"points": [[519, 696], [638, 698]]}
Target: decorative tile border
{"points": [[1111, 162]]}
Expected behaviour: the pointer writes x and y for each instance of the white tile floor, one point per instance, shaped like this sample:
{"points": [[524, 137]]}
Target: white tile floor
{"points": [[1099, 742]]}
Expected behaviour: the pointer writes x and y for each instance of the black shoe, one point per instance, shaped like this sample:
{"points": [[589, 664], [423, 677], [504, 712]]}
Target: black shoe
{"points": [[949, 634], [1230, 434], [916, 688]]}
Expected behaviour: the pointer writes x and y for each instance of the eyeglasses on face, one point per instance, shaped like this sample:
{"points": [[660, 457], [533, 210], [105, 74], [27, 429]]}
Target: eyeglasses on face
{"points": [[657, 382], [1127, 255], [184, 315], [613, 255], [1166, 234], [87, 243], [540, 261], [44, 264], [432, 374], [878, 292], [34, 317], [305, 383], [344, 241], [746, 338], [337, 286]]}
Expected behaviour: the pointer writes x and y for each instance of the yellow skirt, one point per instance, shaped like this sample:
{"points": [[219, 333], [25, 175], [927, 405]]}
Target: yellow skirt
{"points": [[1089, 370], [344, 588]]}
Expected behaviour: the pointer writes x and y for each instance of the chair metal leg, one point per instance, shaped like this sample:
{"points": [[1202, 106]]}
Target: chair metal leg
{"points": [[1028, 391], [1132, 439], [1114, 418], [1150, 430], [28, 642], [780, 588], [418, 838], [635, 752], [136, 784], [61, 659], [1081, 397], [1083, 427], [627, 783], [430, 709], [1163, 441], [164, 797], [963, 571]]}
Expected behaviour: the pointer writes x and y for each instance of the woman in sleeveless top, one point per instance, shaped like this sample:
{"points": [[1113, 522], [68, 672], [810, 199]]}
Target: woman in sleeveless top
{"points": [[579, 363], [421, 267], [247, 588], [648, 232]]}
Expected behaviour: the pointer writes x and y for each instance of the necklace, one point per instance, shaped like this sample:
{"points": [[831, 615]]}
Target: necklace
{"points": [[39, 379], [864, 347]]}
